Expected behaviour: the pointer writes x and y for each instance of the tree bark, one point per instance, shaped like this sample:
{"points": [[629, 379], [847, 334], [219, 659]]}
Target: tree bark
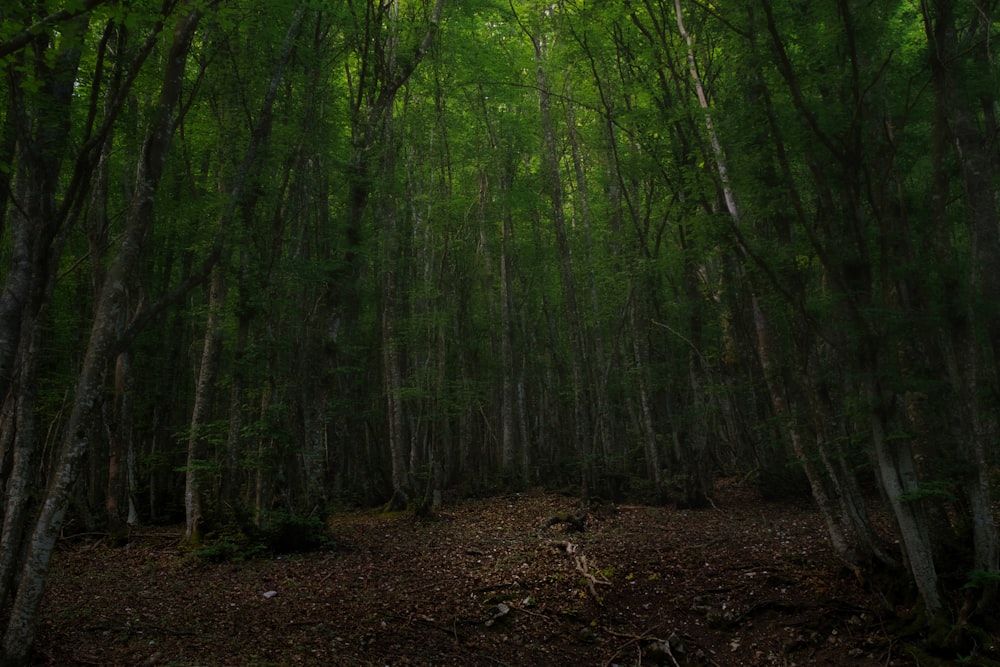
{"points": [[582, 433], [103, 340], [969, 369], [197, 447], [644, 416], [197, 450], [34, 256], [119, 426]]}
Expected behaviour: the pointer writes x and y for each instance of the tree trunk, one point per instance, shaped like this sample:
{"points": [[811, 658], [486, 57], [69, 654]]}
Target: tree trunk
{"points": [[644, 416], [402, 487], [897, 472], [21, 480], [34, 256], [118, 493], [592, 336], [100, 350], [970, 371], [510, 432], [237, 396], [197, 448], [582, 435]]}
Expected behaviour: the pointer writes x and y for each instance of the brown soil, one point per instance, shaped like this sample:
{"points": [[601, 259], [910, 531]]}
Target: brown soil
{"points": [[484, 583]]}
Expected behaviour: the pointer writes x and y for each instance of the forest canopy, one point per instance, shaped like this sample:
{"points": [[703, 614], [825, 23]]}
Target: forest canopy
{"points": [[279, 257]]}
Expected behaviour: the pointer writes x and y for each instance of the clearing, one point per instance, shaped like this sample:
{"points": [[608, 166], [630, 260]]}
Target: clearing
{"points": [[484, 583]]}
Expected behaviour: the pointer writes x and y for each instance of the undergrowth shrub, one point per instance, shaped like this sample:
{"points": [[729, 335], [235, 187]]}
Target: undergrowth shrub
{"points": [[286, 533], [280, 533], [228, 547]]}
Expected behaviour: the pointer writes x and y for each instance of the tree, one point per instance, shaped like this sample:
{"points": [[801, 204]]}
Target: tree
{"points": [[212, 347], [283, 257], [100, 351]]}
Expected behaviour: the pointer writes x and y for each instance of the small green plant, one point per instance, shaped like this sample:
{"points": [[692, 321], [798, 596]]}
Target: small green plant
{"points": [[228, 548], [982, 579], [936, 490]]}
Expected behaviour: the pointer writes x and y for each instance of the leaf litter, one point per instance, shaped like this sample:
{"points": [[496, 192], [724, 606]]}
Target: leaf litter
{"points": [[484, 582]]}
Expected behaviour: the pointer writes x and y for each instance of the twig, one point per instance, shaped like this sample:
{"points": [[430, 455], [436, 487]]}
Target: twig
{"points": [[710, 543], [498, 587], [670, 654], [76, 536], [888, 654], [528, 611], [452, 631], [632, 639]]}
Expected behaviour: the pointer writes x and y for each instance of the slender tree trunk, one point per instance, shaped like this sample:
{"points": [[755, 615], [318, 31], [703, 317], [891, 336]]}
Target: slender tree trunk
{"points": [[20, 631], [644, 416], [969, 369], [208, 370], [119, 444], [509, 401], [21, 479], [197, 448], [897, 472], [393, 380], [582, 435], [392, 363], [593, 336], [237, 396], [263, 486], [527, 451], [28, 284], [8, 146], [322, 330], [118, 421]]}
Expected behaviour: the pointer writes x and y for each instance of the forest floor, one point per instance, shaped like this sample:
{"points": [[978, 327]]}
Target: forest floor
{"points": [[483, 583]]}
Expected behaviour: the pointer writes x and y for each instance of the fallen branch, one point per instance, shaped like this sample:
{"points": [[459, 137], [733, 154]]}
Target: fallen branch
{"points": [[580, 562]]}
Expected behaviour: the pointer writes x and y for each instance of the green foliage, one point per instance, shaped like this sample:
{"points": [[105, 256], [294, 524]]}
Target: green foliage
{"points": [[234, 548], [828, 118], [941, 490], [283, 533], [981, 579], [280, 533]]}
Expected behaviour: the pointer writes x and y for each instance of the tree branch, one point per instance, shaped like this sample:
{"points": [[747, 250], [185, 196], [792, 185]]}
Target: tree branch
{"points": [[23, 38]]}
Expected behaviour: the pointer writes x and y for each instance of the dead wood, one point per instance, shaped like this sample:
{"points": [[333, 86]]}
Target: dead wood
{"points": [[582, 567]]}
